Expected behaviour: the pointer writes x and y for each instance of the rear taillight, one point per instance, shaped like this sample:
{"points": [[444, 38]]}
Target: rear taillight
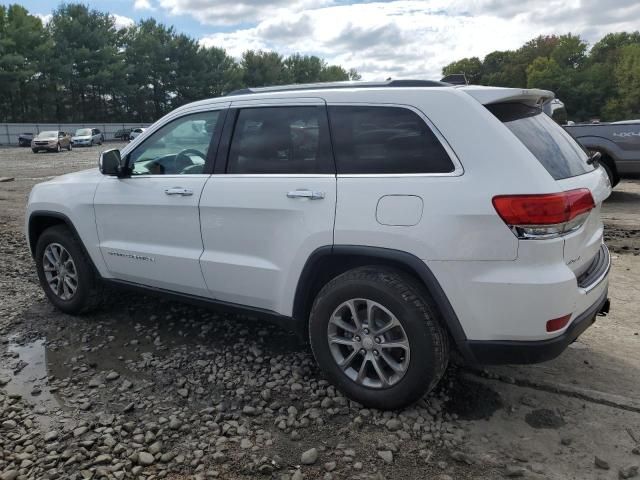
{"points": [[546, 215]]}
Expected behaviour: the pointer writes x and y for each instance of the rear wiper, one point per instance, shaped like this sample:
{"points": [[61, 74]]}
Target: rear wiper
{"points": [[594, 158]]}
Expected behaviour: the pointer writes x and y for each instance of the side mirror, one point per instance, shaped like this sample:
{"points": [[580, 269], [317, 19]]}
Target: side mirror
{"points": [[110, 162]]}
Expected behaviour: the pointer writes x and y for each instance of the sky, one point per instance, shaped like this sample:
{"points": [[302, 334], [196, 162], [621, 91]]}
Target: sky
{"points": [[397, 38]]}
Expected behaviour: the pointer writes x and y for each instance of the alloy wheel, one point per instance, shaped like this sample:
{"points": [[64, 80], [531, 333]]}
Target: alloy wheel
{"points": [[60, 271], [368, 343]]}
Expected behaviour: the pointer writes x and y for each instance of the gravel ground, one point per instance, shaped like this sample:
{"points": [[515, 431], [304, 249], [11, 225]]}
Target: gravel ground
{"points": [[147, 388]]}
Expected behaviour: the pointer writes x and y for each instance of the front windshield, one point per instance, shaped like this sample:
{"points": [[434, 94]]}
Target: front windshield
{"points": [[83, 132], [48, 135]]}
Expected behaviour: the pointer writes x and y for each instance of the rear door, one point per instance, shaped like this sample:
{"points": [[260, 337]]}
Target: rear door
{"points": [[270, 203]]}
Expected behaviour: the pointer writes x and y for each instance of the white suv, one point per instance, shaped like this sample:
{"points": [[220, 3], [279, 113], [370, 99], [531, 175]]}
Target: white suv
{"points": [[389, 222]]}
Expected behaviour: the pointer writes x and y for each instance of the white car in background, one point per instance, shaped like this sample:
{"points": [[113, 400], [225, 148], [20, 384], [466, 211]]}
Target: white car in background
{"points": [[135, 132], [87, 137]]}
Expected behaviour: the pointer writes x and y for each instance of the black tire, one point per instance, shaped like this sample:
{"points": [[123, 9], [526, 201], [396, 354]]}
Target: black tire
{"points": [[58, 148], [69, 147], [89, 293], [613, 178], [34, 150], [411, 304]]}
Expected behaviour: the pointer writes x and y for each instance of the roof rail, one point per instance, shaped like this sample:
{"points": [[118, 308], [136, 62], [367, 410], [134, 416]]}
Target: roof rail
{"points": [[337, 85]]}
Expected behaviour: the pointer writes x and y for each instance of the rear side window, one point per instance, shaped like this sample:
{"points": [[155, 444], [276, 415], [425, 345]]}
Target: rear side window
{"points": [[554, 148], [272, 140], [385, 140]]}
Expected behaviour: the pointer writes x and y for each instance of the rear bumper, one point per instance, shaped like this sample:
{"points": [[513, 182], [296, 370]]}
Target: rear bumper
{"points": [[490, 352]]}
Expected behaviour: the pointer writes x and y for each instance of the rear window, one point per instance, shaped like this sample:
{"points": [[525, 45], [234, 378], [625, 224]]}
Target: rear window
{"points": [[385, 140], [554, 148]]}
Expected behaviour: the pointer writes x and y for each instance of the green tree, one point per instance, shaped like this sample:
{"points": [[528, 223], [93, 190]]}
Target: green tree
{"points": [[627, 74], [24, 47], [471, 67]]}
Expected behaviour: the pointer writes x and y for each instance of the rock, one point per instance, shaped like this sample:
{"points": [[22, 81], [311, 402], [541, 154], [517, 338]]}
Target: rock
{"points": [[145, 458], [249, 410], [155, 448], [183, 392], [513, 471], [566, 441], [297, 475], [601, 464], [3, 381], [50, 436], [174, 423], [9, 475], [245, 443], [309, 457], [104, 458], [112, 375], [462, 458], [386, 455], [394, 425], [330, 466], [630, 471]]}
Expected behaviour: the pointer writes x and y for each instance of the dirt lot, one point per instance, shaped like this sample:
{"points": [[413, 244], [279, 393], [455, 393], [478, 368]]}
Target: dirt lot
{"points": [[151, 389]]}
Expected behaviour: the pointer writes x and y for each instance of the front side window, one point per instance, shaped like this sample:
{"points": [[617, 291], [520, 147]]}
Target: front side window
{"points": [[272, 140], [384, 140], [178, 148]]}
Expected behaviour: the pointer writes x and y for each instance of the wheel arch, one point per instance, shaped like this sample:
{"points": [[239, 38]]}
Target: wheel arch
{"points": [[40, 220], [328, 262]]}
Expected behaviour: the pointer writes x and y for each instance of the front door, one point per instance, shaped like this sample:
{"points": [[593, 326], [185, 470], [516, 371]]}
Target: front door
{"points": [[148, 224], [269, 204]]}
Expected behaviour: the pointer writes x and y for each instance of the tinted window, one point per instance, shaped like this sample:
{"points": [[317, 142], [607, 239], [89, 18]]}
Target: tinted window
{"points": [[554, 148], [280, 140], [179, 147], [385, 140]]}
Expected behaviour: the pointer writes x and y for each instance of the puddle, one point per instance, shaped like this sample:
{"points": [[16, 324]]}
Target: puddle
{"points": [[27, 368]]}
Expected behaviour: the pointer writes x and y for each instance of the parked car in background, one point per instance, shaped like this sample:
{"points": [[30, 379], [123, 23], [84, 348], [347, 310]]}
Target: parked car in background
{"points": [[123, 134], [135, 132], [366, 218], [52, 141], [618, 144], [87, 137], [24, 139]]}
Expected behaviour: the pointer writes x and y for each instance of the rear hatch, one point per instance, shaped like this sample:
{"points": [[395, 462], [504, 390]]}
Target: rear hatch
{"points": [[564, 159]]}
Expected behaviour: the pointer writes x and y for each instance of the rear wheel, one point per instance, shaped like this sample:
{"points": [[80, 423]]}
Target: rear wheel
{"points": [[65, 272], [376, 334], [69, 147]]}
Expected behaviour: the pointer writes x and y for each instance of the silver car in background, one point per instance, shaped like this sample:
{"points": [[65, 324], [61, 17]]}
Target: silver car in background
{"points": [[86, 137]]}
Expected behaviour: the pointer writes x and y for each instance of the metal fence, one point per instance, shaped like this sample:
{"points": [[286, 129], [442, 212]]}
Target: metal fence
{"points": [[9, 131]]}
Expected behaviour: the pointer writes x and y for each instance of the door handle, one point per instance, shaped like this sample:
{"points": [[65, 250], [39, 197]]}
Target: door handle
{"points": [[185, 192], [304, 193]]}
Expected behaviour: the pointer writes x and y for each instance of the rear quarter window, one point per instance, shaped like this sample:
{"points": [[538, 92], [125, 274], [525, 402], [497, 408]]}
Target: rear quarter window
{"points": [[383, 140], [554, 148]]}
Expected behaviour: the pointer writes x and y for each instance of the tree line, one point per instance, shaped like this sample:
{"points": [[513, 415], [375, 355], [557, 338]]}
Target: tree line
{"points": [[80, 67], [602, 82]]}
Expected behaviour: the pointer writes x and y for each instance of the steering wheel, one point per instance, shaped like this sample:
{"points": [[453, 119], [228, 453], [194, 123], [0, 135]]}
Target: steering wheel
{"points": [[183, 161]]}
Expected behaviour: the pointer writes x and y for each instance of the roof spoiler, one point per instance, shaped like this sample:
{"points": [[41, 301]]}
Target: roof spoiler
{"points": [[455, 79], [488, 95]]}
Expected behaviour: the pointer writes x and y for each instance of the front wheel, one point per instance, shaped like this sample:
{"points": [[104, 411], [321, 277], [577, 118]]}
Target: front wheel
{"points": [[376, 334], [58, 148], [65, 272], [34, 150]]}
